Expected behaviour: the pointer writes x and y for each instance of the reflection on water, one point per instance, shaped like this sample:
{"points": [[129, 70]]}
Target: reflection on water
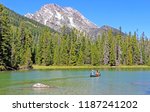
{"points": [[74, 82]]}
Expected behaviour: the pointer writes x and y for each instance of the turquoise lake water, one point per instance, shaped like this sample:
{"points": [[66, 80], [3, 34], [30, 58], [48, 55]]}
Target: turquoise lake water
{"points": [[76, 82]]}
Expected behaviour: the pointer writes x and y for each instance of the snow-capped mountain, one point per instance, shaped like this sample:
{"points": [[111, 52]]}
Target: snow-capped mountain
{"points": [[56, 17]]}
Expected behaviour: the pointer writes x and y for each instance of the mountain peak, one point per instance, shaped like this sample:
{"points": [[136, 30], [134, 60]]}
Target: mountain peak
{"points": [[51, 6], [56, 17]]}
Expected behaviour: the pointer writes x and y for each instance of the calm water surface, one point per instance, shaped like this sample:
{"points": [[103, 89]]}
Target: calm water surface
{"points": [[74, 82]]}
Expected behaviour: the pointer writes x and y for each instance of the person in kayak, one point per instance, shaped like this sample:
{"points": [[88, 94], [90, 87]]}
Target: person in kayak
{"points": [[97, 73], [92, 73]]}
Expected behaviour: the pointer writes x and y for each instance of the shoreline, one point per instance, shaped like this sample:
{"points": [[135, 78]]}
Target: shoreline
{"points": [[37, 67], [41, 67]]}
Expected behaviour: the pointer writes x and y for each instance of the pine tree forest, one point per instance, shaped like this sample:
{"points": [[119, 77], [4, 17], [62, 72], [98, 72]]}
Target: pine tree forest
{"points": [[21, 47]]}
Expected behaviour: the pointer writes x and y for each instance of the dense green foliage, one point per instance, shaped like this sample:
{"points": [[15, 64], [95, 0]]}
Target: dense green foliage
{"points": [[24, 42], [5, 42]]}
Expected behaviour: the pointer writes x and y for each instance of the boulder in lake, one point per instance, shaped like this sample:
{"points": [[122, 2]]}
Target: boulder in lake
{"points": [[40, 85]]}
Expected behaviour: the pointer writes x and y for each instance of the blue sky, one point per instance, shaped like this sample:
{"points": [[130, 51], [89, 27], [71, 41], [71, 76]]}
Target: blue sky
{"points": [[131, 15]]}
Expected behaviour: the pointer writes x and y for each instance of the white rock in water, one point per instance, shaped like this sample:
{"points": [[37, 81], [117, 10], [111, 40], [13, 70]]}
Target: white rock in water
{"points": [[40, 85]]}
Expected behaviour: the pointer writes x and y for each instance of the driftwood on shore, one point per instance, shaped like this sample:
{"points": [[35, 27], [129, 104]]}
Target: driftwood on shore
{"points": [[40, 85]]}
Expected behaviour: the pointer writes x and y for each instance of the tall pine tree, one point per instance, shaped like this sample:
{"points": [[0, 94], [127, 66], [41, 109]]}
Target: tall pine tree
{"points": [[5, 39]]}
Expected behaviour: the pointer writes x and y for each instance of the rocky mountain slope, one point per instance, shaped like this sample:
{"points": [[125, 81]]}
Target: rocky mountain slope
{"points": [[55, 17]]}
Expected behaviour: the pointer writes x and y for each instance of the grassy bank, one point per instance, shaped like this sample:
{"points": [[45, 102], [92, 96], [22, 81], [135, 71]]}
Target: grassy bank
{"points": [[39, 67], [88, 67]]}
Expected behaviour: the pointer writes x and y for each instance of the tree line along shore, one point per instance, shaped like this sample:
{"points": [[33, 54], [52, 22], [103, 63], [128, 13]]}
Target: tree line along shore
{"points": [[40, 67]]}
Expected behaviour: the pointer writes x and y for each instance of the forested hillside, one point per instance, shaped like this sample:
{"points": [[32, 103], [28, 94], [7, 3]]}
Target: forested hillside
{"points": [[10, 25], [24, 42]]}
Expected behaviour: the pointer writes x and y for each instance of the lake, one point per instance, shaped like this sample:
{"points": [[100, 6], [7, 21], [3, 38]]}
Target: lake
{"points": [[76, 82]]}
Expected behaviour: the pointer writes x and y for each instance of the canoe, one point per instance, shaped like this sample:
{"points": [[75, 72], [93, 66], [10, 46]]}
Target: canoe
{"points": [[93, 76]]}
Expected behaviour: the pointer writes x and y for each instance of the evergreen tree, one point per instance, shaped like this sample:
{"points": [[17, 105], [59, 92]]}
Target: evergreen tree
{"points": [[22, 47], [106, 52], [22, 42], [111, 46], [15, 58], [39, 51], [135, 50], [87, 52], [129, 51], [81, 53], [64, 50], [94, 55], [148, 63], [56, 58], [27, 50], [80, 60], [46, 48], [100, 47], [28, 60], [118, 47], [72, 56], [5, 39], [124, 43], [142, 49], [147, 50]]}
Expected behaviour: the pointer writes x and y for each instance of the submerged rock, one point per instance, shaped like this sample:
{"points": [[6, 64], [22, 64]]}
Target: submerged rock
{"points": [[40, 85]]}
